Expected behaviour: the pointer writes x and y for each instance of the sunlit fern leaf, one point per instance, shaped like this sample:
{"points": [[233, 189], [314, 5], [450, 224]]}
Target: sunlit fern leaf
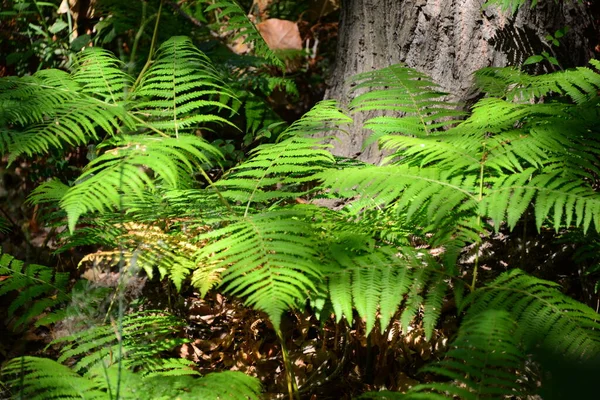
{"points": [[179, 89], [564, 200], [42, 378], [48, 192], [401, 89], [270, 258], [243, 29], [283, 169], [213, 386], [448, 151], [373, 283], [483, 362], [30, 99], [432, 306], [145, 336], [55, 112], [544, 315], [509, 5], [75, 122], [580, 84], [100, 75], [37, 289], [226, 384], [124, 170], [409, 188]]}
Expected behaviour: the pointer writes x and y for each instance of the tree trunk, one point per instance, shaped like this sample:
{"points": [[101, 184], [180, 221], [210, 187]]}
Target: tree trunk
{"points": [[448, 40]]}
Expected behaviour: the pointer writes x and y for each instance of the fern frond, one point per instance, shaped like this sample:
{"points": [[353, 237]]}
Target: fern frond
{"points": [[37, 288], [509, 5], [145, 336], [42, 378], [401, 89], [483, 362], [410, 189], [56, 111], [374, 283], [295, 160], [544, 315], [580, 84], [565, 200], [214, 386], [270, 258], [243, 29], [178, 89], [122, 170], [100, 75]]}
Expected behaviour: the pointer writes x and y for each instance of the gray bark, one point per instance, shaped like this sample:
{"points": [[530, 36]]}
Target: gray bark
{"points": [[448, 40]]}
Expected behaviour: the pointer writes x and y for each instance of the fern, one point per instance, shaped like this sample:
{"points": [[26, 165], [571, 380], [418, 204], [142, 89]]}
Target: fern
{"points": [[293, 161], [543, 314], [42, 378], [512, 5], [145, 335], [37, 289], [269, 257], [483, 362], [180, 83], [401, 89], [484, 166], [580, 84], [242, 28]]}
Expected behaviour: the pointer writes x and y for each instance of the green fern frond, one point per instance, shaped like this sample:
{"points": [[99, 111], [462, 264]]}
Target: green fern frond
{"points": [[179, 87], [100, 75], [565, 200], [580, 84], [42, 378], [371, 283], [410, 189], [55, 111], [30, 99], [145, 336], [401, 89], [270, 258], [290, 163], [509, 5], [37, 288], [243, 29], [544, 315], [123, 170], [483, 362]]}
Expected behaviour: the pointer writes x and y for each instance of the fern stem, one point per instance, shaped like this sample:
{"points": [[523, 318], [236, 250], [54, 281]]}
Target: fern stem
{"points": [[138, 35], [152, 45], [478, 223], [153, 129], [291, 381], [212, 185]]}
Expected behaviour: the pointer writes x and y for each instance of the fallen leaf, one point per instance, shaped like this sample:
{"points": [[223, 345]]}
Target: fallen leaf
{"points": [[280, 34]]}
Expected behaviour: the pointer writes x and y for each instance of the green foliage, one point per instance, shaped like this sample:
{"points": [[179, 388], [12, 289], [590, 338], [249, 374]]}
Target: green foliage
{"points": [[450, 180], [580, 84], [99, 372], [36, 289], [243, 29], [544, 315]]}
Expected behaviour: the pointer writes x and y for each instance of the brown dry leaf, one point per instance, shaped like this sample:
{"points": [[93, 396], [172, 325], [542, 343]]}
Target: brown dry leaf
{"points": [[280, 34]]}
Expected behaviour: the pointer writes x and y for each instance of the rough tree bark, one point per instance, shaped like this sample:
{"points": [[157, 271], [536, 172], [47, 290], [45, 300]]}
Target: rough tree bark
{"points": [[448, 40]]}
